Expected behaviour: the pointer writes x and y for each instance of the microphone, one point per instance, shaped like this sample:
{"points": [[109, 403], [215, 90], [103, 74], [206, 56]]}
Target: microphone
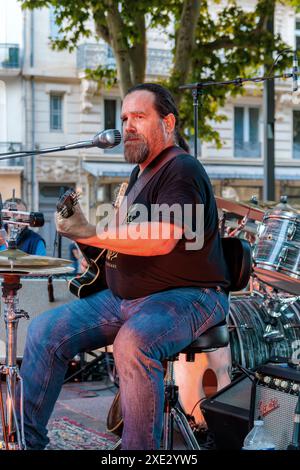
{"points": [[295, 71], [104, 140], [14, 217]]}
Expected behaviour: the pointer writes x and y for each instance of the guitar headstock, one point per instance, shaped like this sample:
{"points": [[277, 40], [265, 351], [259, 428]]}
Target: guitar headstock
{"points": [[67, 202], [120, 195]]}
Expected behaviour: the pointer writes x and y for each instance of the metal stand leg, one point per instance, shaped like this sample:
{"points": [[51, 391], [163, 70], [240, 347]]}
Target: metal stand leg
{"points": [[173, 413], [12, 434]]}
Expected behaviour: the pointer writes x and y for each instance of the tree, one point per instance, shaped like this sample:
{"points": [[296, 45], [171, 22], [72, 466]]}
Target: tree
{"points": [[223, 47]]}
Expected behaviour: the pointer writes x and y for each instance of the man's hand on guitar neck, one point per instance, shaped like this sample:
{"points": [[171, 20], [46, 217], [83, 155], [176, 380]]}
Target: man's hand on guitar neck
{"points": [[76, 226]]}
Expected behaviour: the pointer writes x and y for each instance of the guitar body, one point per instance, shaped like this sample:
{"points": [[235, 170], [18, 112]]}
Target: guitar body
{"points": [[93, 279]]}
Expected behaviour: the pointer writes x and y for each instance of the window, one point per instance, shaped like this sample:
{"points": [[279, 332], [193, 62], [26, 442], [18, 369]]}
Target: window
{"points": [[110, 108], [246, 132], [297, 34], [112, 120], [54, 28], [296, 134], [56, 106]]}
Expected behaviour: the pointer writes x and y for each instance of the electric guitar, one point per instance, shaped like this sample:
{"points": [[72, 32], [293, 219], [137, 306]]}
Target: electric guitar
{"points": [[93, 278]]}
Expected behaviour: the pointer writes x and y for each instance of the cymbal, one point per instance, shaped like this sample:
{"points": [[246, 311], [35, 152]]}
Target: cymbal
{"points": [[13, 260], [240, 208]]}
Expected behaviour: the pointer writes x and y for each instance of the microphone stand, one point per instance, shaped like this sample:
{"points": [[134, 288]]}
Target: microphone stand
{"points": [[8, 155], [198, 89], [106, 139]]}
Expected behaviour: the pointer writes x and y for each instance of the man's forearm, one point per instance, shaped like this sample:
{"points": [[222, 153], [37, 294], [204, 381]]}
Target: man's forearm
{"points": [[144, 239]]}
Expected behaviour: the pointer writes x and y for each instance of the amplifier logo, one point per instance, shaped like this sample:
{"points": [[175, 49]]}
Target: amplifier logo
{"points": [[266, 408]]}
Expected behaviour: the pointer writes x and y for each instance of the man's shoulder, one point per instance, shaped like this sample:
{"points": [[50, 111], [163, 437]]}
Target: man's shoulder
{"points": [[186, 164]]}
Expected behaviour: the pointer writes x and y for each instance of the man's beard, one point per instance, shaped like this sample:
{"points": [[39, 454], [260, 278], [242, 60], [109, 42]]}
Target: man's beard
{"points": [[136, 151]]}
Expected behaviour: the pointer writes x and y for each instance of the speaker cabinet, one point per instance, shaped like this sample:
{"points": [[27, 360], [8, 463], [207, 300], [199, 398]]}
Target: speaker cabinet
{"points": [[227, 413], [272, 396], [34, 299]]}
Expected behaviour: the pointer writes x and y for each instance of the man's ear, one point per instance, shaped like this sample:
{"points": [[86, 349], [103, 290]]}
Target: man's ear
{"points": [[170, 122]]}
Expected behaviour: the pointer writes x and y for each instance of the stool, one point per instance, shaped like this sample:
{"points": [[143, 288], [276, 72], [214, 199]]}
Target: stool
{"points": [[238, 258]]}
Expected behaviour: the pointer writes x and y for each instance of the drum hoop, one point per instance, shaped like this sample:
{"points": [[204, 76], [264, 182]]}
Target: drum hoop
{"points": [[282, 217], [295, 276]]}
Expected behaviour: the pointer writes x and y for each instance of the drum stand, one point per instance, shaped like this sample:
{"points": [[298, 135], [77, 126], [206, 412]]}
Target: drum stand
{"points": [[173, 413], [13, 433]]}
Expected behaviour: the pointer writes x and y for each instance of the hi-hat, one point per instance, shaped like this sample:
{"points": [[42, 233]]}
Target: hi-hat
{"points": [[16, 261]]}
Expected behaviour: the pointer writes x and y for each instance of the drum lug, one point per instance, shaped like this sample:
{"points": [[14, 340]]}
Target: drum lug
{"points": [[291, 230], [282, 256]]}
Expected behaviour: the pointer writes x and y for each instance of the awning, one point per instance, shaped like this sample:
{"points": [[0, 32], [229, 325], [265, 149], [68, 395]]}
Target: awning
{"points": [[108, 169], [250, 172], [120, 169]]}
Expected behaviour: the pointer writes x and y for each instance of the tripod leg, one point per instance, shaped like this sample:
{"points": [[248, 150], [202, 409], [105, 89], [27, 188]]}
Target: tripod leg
{"points": [[168, 428], [5, 438]]}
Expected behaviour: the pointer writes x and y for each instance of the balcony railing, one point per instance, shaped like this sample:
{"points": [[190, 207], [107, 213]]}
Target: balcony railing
{"points": [[247, 149], [11, 147], [90, 56], [9, 56]]}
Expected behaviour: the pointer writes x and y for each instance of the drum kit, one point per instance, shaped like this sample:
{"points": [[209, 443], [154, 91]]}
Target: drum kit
{"points": [[15, 264], [264, 320]]}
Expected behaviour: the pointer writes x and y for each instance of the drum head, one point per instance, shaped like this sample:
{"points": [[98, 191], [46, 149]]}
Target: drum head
{"points": [[209, 373]]}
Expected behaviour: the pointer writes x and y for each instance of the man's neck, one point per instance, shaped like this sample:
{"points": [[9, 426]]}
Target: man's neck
{"points": [[152, 157]]}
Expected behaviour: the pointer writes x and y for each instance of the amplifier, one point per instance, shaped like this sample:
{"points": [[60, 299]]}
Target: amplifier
{"points": [[33, 298], [227, 413], [274, 399]]}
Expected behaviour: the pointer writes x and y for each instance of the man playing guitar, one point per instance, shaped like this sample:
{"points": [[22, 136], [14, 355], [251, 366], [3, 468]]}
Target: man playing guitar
{"points": [[160, 295]]}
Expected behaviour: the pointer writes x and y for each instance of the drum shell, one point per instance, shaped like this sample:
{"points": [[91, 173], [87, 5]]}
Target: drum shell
{"points": [[283, 226], [249, 317]]}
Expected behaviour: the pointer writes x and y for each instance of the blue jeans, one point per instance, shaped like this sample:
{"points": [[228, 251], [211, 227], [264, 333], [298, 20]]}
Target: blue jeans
{"points": [[143, 331]]}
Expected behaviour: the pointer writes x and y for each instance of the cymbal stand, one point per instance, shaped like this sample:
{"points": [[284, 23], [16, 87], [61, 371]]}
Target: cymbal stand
{"points": [[13, 433]]}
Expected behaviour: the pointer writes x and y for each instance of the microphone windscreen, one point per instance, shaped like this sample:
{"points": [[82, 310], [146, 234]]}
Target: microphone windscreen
{"points": [[36, 219]]}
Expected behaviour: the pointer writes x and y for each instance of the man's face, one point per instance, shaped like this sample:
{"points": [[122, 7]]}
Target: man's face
{"points": [[143, 129]]}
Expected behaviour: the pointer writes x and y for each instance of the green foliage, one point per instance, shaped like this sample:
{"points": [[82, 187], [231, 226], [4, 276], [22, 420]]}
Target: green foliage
{"points": [[232, 44]]}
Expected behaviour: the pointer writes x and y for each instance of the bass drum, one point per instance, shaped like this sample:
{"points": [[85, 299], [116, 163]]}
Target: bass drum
{"points": [[200, 379], [248, 320]]}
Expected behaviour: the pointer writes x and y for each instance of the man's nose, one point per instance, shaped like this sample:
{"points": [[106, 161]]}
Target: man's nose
{"points": [[129, 125]]}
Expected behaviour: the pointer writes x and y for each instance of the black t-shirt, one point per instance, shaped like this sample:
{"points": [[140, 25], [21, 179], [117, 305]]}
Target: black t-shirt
{"points": [[183, 181]]}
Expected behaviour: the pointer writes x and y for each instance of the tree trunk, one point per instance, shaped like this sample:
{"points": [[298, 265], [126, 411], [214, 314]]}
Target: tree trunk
{"points": [[120, 47], [138, 53], [185, 44]]}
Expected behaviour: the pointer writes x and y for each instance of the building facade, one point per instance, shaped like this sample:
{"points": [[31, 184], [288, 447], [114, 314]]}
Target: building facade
{"points": [[46, 101]]}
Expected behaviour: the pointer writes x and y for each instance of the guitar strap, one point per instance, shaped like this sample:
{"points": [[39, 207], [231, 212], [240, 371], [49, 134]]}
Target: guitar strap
{"points": [[162, 159]]}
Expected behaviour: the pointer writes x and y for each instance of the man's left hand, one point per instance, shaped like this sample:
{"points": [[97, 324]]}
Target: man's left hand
{"points": [[74, 227]]}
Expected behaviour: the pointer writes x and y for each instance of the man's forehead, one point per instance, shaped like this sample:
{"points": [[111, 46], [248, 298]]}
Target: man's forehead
{"points": [[137, 101]]}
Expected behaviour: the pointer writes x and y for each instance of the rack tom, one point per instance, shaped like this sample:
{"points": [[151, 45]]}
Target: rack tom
{"points": [[277, 251]]}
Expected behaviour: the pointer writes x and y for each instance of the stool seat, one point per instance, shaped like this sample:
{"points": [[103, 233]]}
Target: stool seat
{"points": [[215, 337]]}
